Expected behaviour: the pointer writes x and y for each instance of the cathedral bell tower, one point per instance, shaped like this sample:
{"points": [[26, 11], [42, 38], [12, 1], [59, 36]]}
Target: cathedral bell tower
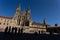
{"points": [[28, 21], [28, 13], [17, 15]]}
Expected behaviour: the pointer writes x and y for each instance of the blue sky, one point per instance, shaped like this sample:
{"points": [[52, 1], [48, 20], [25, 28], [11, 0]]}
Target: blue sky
{"points": [[40, 9]]}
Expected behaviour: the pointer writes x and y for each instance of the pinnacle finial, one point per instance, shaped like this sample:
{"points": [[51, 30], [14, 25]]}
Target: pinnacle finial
{"points": [[18, 8], [19, 5], [29, 8]]}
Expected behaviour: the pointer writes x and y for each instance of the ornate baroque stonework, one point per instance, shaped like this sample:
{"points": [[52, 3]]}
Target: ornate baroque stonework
{"points": [[22, 20]]}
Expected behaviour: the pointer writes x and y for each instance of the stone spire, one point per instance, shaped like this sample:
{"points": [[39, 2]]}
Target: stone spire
{"points": [[18, 9], [28, 13], [18, 5], [28, 10], [17, 13]]}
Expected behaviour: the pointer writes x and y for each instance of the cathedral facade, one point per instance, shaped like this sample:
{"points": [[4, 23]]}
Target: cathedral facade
{"points": [[22, 20]]}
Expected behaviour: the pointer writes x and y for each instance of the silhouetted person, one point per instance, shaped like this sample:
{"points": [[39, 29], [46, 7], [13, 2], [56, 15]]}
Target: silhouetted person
{"points": [[9, 29], [22, 30], [19, 30], [39, 32], [6, 29], [42, 31], [15, 30]]}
